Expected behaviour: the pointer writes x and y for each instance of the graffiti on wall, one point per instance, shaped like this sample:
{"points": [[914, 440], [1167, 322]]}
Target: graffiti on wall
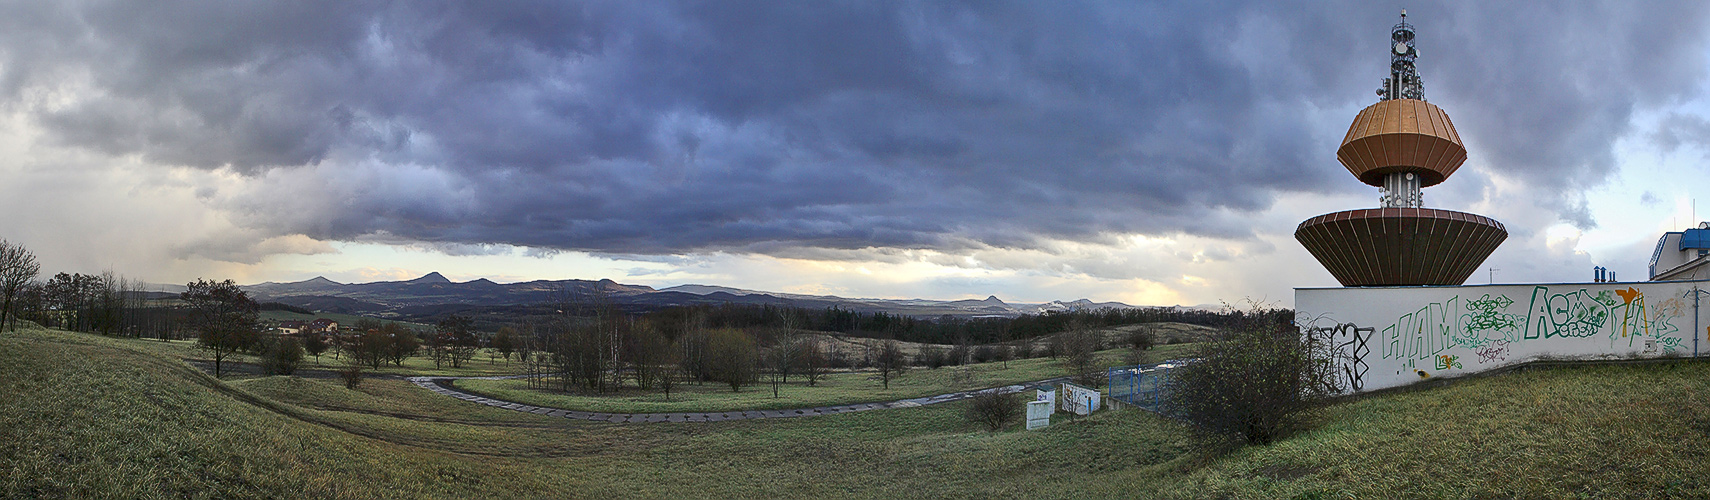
{"points": [[1348, 350], [1573, 314], [1422, 334], [1493, 353], [1445, 361], [1489, 328], [1485, 322], [1478, 332]]}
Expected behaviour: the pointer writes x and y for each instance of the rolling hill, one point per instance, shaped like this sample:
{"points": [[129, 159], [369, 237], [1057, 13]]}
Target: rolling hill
{"points": [[434, 292]]}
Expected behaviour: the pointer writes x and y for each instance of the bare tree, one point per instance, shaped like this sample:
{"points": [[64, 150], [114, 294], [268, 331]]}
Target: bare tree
{"points": [[17, 267], [813, 360], [961, 352], [649, 354], [789, 342], [223, 316], [693, 345], [889, 358], [457, 336], [505, 342], [778, 360], [315, 343], [1138, 341], [1080, 353], [668, 376], [368, 347], [401, 343], [524, 341], [351, 373], [732, 356]]}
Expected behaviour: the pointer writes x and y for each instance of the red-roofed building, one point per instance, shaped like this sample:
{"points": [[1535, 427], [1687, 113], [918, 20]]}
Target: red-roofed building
{"points": [[290, 327], [322, 325]]}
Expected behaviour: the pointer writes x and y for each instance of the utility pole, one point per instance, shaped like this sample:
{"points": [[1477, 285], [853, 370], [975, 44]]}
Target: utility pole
{"points": [[1695, 293], [1493, 275]]}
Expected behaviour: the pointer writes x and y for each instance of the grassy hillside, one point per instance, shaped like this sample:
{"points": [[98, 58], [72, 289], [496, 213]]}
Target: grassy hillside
{"points": [[87, 416], [1584, 432]]}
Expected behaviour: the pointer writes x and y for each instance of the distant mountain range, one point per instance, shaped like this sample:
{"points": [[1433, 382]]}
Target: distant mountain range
{"points": [[321, 294]]}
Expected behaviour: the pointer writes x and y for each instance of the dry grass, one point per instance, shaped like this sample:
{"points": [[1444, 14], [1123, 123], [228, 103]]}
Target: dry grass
{"points": [[83, 416]]}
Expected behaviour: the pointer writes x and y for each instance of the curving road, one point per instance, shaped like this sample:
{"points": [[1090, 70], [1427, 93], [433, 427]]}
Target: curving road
{"points": [[443, 385]]}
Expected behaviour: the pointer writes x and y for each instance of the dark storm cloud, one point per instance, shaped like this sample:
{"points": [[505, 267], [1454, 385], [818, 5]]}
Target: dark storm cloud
{"points": [[1545, 89], [639, 127]]}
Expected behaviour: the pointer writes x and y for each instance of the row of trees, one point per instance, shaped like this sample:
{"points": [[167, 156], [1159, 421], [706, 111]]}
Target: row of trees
{"points": [[102, 303], [224, 319], [105, 303], [942, 330], [592, 346]]}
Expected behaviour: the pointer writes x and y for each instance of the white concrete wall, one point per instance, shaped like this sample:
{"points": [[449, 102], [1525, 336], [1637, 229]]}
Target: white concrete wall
{"points": [[1389, 337]]}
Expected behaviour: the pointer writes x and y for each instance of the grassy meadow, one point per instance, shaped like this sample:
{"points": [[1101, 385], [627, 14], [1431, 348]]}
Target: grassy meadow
{"points": [[84, 416], [837, 388], [344, 320]]}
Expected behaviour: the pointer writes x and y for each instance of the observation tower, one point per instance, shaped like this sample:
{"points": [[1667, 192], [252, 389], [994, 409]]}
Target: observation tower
{"points": [[1401, 145]]}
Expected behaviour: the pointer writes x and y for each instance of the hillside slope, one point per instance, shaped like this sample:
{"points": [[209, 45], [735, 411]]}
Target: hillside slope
{"points": [[84, 416]]}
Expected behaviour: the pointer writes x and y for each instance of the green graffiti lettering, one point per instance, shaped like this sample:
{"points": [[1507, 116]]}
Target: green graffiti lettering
{"points": [[1391, 344], [1486, 322], [1538, 315]]}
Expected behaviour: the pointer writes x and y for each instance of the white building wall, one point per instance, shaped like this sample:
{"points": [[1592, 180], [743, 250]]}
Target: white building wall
{"points": [[1388, 337]]}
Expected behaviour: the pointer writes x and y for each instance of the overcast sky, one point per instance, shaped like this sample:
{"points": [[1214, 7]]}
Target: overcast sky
{"points": [[1148, 153]]}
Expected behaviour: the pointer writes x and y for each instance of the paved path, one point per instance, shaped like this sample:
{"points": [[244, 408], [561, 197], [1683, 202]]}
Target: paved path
{"points": [[443, 385]]}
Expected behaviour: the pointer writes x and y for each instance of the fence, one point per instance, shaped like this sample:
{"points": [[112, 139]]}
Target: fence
{"points": [[1141, 386]]}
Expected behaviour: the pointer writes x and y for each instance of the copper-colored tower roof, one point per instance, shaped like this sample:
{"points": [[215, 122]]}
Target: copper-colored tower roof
{"points": [[1402, 135]]}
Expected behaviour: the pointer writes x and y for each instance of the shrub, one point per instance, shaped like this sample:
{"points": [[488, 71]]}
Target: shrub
{"points": [[282, 356], [315, 344], [1138, 342], [930, 357], [985, 353], [1255, 386], [889, 359], [958, 355], [732, 358], [1141, 339], [835, 358], [993, 409], [352, 376], [1079, 348]]}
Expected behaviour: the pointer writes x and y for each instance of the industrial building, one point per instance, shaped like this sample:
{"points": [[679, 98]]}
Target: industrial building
{"points": [[1682, 255]]}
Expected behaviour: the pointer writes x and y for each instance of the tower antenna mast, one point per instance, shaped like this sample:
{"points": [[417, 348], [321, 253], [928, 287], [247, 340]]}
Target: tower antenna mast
{"points": [[1403, 81]]}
